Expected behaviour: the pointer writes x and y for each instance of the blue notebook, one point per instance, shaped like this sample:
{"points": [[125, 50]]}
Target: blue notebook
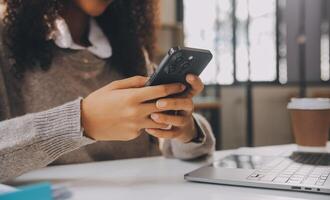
{"points": [[40, 191]]}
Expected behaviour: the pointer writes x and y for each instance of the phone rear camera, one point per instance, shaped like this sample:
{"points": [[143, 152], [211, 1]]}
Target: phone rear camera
{"points": [[185, 65], [178, 60]]}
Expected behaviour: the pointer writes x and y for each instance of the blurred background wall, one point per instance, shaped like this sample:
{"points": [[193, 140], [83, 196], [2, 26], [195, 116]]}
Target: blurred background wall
{"points": [[265, 52]]}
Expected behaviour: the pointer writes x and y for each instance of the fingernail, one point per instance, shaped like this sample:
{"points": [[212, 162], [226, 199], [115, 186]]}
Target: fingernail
{"points": [[154, 116], [161, 104], [149, 130], [191, 78], [183, 87]]}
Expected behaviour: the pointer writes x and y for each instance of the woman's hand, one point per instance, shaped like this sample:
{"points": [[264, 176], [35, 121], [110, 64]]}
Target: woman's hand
{"points": [[183, 125], [118, 111]]}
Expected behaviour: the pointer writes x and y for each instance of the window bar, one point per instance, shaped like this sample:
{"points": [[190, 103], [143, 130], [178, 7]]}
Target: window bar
{"points": [[328, 15], [302, 46], [234, 40], [277, 29], [216, 114], [248, 40], [217, 41], [328, 18], [179, 11], [249, 97]]}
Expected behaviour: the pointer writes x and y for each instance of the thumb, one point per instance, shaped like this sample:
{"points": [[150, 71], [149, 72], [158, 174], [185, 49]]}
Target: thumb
{"points": [[132, 82]]}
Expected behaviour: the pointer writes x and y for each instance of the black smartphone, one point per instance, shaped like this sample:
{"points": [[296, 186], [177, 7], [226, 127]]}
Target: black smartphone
{"points": [[174, 68], [179, 62]]}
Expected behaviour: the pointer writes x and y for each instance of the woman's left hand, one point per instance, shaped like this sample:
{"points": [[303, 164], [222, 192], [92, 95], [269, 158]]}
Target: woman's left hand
{"points": [[183, 125]]}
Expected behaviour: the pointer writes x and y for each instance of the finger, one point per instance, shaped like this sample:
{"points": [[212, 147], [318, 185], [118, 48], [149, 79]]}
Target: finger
{"points": [[185, 104], [149, 123], [174, 120], [196, 84], [155, 92], [148, 108], [133, 82], [163, 133]]}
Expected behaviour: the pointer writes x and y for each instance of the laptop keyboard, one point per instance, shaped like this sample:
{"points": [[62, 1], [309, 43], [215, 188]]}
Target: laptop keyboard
{"points": [[301, 168]]}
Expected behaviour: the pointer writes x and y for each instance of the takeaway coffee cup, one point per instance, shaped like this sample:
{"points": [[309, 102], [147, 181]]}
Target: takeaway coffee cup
{"points": [[310, 119]]}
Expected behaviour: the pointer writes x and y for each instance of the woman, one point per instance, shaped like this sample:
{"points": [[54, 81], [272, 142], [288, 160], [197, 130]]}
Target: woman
{"points": [[55, 51]]}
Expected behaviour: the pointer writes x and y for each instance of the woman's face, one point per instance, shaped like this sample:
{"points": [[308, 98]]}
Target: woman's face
{"points": [[93, 7]]}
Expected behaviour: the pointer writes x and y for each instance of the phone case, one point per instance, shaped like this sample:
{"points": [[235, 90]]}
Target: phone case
{"points": [[179, 62]]}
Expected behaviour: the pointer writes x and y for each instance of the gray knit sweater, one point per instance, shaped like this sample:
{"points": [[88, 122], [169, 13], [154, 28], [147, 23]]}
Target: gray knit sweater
{"points": [[40, 118]]}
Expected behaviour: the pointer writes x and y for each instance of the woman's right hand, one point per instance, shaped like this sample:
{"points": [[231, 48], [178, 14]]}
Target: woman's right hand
{"points": [[119, 110]]}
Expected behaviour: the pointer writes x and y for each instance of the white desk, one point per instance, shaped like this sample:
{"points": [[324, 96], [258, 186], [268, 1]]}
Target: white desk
{"points": [[155, 178]]}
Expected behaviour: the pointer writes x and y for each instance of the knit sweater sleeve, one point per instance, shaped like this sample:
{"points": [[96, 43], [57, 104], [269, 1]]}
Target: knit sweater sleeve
{"points": [[35, 140]]}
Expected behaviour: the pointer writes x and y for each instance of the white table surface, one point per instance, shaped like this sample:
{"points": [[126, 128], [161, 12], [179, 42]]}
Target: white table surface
{"points": [[156, 178]]}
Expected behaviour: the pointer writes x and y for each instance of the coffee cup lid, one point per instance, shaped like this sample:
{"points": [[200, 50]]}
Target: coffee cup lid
{"points": [[309, 103]]}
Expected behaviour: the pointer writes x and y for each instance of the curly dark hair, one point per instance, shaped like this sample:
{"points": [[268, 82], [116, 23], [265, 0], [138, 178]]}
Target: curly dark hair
{"points": [[129, 25]]}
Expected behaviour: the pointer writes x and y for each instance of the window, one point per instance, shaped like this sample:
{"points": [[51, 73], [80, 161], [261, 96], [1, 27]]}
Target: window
{"points": [[247, 39], [209, 25]]}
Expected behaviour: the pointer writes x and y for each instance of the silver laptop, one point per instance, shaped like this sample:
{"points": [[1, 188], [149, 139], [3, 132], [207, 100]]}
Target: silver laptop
{"points": [[301, 171]]}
